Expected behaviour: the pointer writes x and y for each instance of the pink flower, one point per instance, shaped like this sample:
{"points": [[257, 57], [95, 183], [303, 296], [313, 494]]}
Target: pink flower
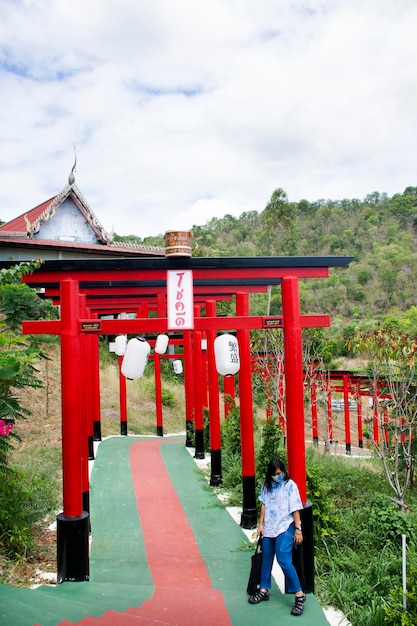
{"points": [[5, 428]]}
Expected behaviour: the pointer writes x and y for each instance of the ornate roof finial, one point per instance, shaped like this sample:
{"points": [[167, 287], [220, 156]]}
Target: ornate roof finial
{"points": [[71, 177]]}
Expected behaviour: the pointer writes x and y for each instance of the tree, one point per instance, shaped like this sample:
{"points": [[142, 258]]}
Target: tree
{"points": [[18, 303], [17, 353], [17, 371], [267, 347], [391, 359], [280, 228]]}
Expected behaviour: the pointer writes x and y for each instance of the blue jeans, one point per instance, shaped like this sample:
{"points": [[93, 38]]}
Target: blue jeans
{"points": [[281, 547]]}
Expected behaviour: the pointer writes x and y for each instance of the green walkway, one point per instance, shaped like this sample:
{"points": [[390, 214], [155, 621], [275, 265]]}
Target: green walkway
{"points": [[119, 574]]}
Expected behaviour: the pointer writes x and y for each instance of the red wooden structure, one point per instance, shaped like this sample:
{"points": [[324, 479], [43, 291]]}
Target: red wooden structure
{"points": [[86, 290], [353, 387]]}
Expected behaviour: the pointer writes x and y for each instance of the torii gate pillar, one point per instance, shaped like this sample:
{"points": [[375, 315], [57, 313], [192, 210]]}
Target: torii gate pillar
{"points": [[303, 559], [73, 522], [249, 513]]}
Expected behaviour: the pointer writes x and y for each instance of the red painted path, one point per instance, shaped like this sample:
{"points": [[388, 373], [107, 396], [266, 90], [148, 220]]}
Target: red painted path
{"points": [[183, 590]]}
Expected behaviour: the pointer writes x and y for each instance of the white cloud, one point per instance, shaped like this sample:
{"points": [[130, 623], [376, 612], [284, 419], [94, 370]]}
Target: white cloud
{"points": [[182, 111]]}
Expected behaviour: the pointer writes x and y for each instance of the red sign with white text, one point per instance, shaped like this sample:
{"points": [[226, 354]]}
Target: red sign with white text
{"points": [[180, 299]]}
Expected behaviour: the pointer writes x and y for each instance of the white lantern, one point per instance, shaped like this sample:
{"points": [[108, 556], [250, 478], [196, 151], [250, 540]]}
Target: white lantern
{"points": [[120, 344], [135, 358], [177, 365], [226, 354], [161, 344]]}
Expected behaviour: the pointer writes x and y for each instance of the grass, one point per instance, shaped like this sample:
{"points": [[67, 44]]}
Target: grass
{"points": [[141, 412], [359, 565]]}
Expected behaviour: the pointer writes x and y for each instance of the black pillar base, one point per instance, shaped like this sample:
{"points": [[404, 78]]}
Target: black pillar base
{"points": [[72, 548], [86, 501], [97, 430], [348, 448], [86, 507], [249, 518], [123, 428], [189, 434], [361, 443], [316, 441], [303, 555], [216, 468], [199, 444], [159, 431], [90, 448]]}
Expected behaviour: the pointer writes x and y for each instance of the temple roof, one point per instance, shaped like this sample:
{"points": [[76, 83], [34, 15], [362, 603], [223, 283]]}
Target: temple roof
{"points": [[29, 223], [25, 231]]}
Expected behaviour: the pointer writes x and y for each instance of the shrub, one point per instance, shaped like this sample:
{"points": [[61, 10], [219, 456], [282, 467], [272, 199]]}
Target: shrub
{"points": [[206, 429], [393, 608], [271, 446], [15, 520], [232, 477], [368, 523], [168, 398], [347, 479], [390, 521], [18, 303], [324, 510], [17, 371], [230, 431]]}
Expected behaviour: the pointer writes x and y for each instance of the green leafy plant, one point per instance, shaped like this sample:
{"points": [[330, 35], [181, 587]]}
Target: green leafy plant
{"points": [[17, 371], [231, 457], [232, 477], [272, 445], [324, 511], [391, 521], [206, 429], [168, 398], [13, 275], [18, 303], [394, 605], [15, 536], [230, 432]]}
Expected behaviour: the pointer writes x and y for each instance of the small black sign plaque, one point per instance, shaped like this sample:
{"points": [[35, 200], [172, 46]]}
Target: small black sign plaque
{"points": [[90, 326], [272, 322]]}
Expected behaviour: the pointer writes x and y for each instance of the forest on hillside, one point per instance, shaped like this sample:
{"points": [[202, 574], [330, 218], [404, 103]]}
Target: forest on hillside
{"points": [[379, 233]]}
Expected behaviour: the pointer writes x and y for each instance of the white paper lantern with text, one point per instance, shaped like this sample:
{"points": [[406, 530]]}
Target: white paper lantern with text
{"points": [[177, 365], [120, 344], [135, 358], [226, 354], [161, 344]]}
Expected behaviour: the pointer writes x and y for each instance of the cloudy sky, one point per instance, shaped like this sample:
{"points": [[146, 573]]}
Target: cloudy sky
{"points": [[184, 110]]}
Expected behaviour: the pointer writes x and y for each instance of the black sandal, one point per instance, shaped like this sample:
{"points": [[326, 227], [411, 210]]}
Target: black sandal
{"points": [[298, 607], [258, 597]]}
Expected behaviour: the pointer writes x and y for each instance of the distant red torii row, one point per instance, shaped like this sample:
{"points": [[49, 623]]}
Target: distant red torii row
{"points": [[340, 381]]}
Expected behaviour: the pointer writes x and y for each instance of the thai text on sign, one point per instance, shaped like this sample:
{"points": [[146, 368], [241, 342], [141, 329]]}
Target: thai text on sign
{"points": [[180, 299]]}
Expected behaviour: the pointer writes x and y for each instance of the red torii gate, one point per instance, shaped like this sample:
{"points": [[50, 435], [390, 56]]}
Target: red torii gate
{"points": [[115, 282], [357, 385]]}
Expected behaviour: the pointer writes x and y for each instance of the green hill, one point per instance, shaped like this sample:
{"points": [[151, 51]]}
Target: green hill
{"points": [[379, 232]]}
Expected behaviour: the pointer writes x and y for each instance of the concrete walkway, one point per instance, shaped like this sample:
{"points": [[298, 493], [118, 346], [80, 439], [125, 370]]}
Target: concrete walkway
{"points": [[163, 552]]}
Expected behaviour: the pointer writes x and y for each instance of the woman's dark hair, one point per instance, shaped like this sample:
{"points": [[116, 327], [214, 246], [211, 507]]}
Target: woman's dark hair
{"points": [[273, 465]]}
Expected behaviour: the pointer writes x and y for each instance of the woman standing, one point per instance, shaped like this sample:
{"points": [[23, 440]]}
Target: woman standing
{"points": [[280, 528]]}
